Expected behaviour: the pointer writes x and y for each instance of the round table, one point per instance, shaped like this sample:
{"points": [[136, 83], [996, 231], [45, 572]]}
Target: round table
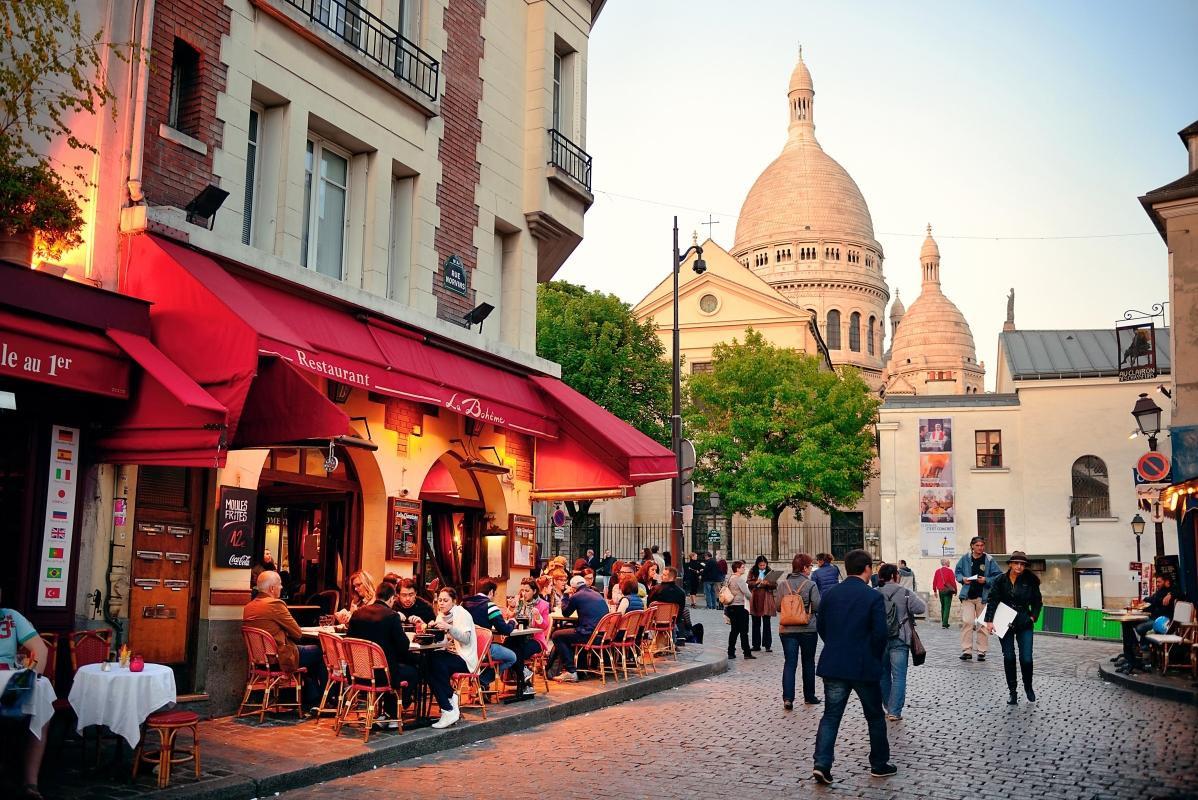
{"points": [[39, 704], [119, 699]]}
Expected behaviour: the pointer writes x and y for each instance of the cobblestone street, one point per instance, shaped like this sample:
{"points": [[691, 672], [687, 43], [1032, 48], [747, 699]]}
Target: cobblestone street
{"points": [[729, 737]]}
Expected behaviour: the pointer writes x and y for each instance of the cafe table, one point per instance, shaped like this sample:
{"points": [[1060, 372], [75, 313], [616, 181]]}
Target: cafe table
{"points": [[1131, 645], [421, 694], [39, 703], [119, 698]]}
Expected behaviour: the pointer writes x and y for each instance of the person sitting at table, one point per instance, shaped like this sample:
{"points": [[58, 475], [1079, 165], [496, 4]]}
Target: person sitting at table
{"points": [[488, 615], [627, 569], [460, 655], [361, 587], [649, 575], [17, 632], [269, 613], [545, 589], [1160, 604], [530, 605], [630, 601], [588, 575], [579, 565], [668, 591], [590, 608], [411, 606], [379, 623], [559, 579]]}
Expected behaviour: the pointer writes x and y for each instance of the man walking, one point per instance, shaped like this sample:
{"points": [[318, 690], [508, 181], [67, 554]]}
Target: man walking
{"points": [[944, 584], [711, 581], [976, 571], [852, 624]]}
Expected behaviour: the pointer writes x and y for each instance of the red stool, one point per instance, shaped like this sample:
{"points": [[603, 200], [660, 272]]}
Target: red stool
{"points": [[168, 724]]}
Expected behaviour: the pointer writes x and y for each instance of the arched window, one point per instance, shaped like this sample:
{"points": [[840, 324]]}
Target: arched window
{"points": [[1091, 489], [869, 336], [832, 330], [855, 332]]}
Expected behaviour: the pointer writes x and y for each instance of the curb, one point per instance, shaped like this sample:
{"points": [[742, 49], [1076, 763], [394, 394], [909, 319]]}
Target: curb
{"points": [[1176, 694]]}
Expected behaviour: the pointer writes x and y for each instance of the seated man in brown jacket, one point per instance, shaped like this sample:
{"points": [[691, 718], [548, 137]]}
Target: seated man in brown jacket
{"points": [[269, 613]]}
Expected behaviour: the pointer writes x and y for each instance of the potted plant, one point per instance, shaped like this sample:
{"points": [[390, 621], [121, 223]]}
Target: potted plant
{"points": [[36, 207]]}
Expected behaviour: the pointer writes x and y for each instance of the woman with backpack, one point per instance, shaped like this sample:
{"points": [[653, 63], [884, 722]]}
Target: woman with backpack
{"points": [[797, 598], [902, 605]]}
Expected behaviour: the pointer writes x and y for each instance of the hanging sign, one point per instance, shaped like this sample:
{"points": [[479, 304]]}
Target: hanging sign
{"points": [[59, 529], [235, 519], [1137, 351], [455, 279]]}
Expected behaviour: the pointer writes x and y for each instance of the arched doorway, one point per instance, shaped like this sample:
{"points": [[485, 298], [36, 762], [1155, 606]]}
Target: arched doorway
{"points": [[459, 508]]}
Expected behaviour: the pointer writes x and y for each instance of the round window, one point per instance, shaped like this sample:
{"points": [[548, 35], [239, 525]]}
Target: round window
{"points": [[709, 303]]}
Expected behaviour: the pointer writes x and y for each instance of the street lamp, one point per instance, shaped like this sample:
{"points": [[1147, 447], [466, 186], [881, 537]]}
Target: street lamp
{"points": [[700, 266], [1147, 415], [1137, 528]]}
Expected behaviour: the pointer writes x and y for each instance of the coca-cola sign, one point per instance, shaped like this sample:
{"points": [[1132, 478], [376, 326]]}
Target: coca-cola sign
{"points": [[235, 519]]}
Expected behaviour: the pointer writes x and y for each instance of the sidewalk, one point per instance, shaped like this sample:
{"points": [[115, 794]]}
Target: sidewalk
{"points": [[242, 759], [1179, 687]]}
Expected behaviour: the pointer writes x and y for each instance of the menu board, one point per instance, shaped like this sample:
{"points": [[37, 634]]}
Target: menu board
{"points": [[523, 530], [403, 529], [235, 519]]}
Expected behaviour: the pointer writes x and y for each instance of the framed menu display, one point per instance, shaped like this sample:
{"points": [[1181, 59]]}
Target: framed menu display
{"points": [[403, 529], [523, 530]]}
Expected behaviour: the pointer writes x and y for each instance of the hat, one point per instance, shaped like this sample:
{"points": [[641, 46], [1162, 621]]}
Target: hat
{"points": [[1017, 557], [578, 582]]}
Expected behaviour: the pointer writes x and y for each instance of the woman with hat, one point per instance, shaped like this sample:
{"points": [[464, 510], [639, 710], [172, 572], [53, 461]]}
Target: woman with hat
{"points": [[1019, 588]]}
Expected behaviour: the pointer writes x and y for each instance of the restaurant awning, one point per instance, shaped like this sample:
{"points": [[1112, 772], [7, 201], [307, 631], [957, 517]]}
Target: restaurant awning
{"points": [[61, 355], [597, 454]]}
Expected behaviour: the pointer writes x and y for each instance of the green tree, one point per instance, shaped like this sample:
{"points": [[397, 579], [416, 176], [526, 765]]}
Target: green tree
{"points": [[772, 430], [608, 356]]}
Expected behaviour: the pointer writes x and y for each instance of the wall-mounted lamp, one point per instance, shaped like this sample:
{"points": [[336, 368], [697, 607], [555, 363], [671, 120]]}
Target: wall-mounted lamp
{"points": [[417, 429], [338, 392], [203, 207], [476, 315]]}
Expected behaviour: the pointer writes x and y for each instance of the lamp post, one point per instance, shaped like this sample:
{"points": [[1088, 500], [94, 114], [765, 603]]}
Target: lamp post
{"points": [[700, 266], [1147, 415], [1137, 528]]}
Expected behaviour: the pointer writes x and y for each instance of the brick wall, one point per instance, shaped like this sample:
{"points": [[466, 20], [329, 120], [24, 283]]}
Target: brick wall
{"points": [[174, 174], [519, 453], [458, 151], [401, 416]]}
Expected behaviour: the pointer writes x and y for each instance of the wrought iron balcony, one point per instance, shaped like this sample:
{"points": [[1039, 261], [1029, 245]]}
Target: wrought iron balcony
{"points": [[570, 158], [374, 39]]}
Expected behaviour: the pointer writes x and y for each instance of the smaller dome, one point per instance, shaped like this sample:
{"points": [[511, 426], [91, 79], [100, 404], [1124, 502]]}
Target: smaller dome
{"points": [[930, 249], [800, 79], [897, 309]]}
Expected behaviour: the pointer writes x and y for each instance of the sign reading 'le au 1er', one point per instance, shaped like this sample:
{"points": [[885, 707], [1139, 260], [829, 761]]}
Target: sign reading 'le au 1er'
{"points": [[455, 276], [235, 527]]}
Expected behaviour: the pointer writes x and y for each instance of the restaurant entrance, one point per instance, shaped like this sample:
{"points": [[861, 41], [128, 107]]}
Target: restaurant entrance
{"points": [[451, 548]]}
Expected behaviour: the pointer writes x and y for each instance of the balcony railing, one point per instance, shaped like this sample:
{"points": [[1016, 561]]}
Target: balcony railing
{"points": [[570, 158], [376, 40]]}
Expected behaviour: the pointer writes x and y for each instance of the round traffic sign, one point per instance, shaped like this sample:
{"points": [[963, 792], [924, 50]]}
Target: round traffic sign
{"points": [[1153, 466], [559, 518]]}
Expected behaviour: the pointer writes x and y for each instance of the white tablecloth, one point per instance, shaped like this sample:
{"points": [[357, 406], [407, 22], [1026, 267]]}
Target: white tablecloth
{"points": [[120, 699], [39, 705]]}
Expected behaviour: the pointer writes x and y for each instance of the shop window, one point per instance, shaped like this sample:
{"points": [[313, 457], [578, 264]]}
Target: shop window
{"points": [[183, 110], [992, 526], [987, 449], [1091, 489], [326, 189]]}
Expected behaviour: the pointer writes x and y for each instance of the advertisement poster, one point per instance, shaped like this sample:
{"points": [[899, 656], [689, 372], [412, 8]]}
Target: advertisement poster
{"points": [[59, 529], [937, 501], [403, 529], [236, 514]]}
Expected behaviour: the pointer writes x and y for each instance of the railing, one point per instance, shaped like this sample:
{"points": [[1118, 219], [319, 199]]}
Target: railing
{"points": [[1091, 507], [570, 158], [376, 40], [742, 541]]}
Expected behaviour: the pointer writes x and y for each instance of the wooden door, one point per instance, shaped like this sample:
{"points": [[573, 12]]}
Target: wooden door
{"points": [[164, 562]]}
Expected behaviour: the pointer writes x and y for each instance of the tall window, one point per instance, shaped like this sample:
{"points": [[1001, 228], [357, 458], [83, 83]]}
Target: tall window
{"points": [[326, 184], [251, 177], [563, 90], [183, 110], [557, 91], [869, 335], [855, 332], [1091, 488], [832, 330], [987, 449], [992, 526]]}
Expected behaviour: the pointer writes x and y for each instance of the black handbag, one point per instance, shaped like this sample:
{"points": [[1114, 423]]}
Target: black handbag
{"points": [[918, 653]]}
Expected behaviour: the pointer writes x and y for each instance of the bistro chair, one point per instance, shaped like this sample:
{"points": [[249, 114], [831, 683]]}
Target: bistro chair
{"points": [[335, 664], [600, 647], [89, 647], [168, 724], [328, 600], [661, 628], [1181, 632], [644, 640], [365, 691], [539, 664], [265, 675], [625, 641], [470, 680]]}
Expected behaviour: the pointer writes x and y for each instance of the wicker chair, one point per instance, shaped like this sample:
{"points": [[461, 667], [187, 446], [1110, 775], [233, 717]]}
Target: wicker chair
{"points": [[265, 675], [364, 691], [625, 640], [665, 618], [463, 681], [168, 724], [1180, 633], [601, 648], [89, 647], [335, 661]]}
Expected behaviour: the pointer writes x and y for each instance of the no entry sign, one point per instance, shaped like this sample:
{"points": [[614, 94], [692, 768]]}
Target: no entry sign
{"points": [[1153, 466]]}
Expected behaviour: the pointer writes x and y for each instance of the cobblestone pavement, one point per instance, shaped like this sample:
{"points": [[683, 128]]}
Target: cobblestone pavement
{"points": [[729, 736]]}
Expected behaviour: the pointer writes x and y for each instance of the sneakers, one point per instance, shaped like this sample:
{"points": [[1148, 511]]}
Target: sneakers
{"points": [[967, 656], [894, 718], [567, 677], [527, 675], [981, 656], [528, 692], [788, 705], [822, 774], [449, 716], [884, 771], [383, 722]]}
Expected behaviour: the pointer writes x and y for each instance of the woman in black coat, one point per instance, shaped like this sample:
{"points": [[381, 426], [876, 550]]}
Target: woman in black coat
{"points": [[694, 577], [1020, 589]]}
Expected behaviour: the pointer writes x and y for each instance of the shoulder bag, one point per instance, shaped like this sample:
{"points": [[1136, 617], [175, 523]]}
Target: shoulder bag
{"points": [[725, 596], [918, 653], [793, 611]]}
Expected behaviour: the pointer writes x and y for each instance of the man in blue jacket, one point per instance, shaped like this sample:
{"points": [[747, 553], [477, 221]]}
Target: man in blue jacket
{"points": [[826, 575], [590, 607], [852, 624], [976, 572]]}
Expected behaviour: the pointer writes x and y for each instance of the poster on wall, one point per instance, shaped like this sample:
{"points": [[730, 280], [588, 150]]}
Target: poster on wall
{"points": [[523, 529], [59, 529], [937, 499], [403, 529], [235, 518]]}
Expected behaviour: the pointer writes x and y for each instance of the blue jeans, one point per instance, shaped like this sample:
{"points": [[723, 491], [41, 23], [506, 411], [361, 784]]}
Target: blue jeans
{"points": [[709, 593], [796, 646], [894, 676], [502, 656], [836, 697], [1024, 639], [311, 657]]}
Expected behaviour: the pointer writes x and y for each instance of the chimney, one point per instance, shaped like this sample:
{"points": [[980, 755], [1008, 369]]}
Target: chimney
{"points": [[1189, 136]]}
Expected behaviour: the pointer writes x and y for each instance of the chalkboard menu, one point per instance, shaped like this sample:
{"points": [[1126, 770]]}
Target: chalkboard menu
{"points": [[403, 529], [235, 518], [523, 530]]}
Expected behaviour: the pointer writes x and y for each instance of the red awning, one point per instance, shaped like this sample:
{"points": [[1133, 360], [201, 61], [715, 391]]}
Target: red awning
{"points": [[61, 355], [596, 450], [284, 406]]}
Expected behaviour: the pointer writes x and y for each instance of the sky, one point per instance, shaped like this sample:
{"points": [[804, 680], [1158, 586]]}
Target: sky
{"points": [[1024, 132]]}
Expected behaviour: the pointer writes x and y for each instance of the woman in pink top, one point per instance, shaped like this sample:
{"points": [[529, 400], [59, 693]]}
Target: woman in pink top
{"points": [[529, 604]]}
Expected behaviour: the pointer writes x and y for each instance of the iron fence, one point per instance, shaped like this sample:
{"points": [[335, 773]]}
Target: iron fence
{"points": [[376, 40], [737, 541], [571, 158]]}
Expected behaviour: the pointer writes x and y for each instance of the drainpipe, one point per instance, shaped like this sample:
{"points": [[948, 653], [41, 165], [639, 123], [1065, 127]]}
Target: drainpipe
{"points": [[139, 94]]}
